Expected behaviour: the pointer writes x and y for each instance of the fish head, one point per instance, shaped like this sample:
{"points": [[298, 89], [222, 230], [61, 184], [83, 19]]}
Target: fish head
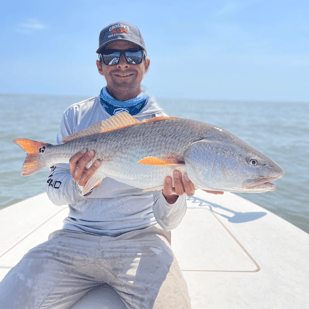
{"points": [[230, 166]]}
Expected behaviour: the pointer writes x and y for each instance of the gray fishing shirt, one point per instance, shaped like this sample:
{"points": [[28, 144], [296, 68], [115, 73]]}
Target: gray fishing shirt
{"points": [[114, 208]]}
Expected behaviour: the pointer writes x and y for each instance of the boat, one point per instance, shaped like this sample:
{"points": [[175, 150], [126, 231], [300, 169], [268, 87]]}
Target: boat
{"points": [[232, 252]]}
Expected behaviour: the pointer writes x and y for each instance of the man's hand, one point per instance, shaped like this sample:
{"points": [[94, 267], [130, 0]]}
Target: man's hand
{"points": [[78, 169], [181, 186]]}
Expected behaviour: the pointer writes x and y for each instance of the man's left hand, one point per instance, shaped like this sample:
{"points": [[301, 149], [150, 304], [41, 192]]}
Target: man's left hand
{"points": [[181, 185]]}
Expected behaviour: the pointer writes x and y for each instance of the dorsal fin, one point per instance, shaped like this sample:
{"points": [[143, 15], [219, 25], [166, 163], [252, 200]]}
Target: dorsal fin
{"points": [[116, 122], [158, 119]]}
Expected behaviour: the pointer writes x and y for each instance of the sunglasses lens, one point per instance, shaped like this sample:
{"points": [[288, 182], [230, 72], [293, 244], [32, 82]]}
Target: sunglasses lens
{"points": [[134, 57], [111, 59]]}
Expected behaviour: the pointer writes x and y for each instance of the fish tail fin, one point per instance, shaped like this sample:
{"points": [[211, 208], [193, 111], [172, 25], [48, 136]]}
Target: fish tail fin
{"points": [[33, 162]]}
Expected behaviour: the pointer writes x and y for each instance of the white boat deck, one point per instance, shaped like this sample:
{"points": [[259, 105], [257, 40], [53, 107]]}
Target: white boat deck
{"points": [[233, 253]]}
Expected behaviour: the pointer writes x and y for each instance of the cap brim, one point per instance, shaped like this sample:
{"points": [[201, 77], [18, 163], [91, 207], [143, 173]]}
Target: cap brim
{"points": [[111, 41]]}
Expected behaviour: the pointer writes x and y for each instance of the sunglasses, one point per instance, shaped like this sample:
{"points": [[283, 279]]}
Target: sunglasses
{"points": [[112, 56]]}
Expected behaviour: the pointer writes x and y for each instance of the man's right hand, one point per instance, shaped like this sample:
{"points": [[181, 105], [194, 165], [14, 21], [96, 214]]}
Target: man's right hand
{"points": [[80, 173]]}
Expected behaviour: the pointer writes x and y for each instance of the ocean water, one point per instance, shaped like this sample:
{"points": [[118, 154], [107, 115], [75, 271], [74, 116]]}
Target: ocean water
{"points": [[278, 129]]}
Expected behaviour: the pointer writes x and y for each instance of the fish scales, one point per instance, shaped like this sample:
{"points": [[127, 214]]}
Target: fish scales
{"points": [[121, 150]]}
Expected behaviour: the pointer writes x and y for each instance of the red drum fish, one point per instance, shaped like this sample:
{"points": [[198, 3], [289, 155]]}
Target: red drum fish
{"points": [[142, 154]]}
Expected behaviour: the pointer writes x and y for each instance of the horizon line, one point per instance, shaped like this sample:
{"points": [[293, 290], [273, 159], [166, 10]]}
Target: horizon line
{"points": [[173, 98]]}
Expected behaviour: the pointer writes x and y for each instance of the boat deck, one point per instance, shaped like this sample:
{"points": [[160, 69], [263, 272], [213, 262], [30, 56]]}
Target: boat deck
{"points": [[233, 253]]}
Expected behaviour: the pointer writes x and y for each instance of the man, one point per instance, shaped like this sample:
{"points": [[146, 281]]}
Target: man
{"points": [[116, 234]]}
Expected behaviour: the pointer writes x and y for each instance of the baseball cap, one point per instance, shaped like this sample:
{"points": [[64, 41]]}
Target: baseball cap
{"points": [[120, 31]]}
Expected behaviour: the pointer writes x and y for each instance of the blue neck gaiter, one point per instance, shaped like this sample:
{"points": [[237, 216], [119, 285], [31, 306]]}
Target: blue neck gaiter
{"points": [[113, 107]]}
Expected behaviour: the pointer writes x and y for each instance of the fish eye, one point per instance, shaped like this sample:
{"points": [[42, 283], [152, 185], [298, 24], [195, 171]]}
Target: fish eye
{"points": [[253, 162]]}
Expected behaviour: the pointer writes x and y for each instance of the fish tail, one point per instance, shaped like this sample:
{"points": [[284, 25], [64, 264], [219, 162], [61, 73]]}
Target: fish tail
{"points": [[33, 162]]}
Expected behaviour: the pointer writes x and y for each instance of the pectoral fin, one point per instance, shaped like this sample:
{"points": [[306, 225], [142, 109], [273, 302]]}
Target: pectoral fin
{"points": [[158, 161]]}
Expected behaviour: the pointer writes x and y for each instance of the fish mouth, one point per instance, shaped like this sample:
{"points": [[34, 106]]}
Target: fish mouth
{"points": [[260, 183]]}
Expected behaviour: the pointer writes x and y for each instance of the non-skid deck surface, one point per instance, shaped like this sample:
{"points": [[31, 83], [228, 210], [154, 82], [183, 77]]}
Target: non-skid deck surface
{"points": [[233, 253]]}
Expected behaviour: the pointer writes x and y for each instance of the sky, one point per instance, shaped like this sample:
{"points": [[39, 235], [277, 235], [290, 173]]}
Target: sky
{"points": [[237, 50]]}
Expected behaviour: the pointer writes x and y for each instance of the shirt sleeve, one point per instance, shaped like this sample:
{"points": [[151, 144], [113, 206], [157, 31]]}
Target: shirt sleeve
{"points": [[60, 187], [168, 215]]}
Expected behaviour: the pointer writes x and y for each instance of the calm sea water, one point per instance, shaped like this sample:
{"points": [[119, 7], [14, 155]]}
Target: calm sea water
{"points": [[278, 129]]}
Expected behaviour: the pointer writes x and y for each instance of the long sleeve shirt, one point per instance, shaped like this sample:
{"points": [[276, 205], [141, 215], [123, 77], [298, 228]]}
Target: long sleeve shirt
{"points": [[114, 208]]}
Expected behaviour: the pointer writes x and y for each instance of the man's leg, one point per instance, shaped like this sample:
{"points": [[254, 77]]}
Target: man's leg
{"points": [[145, 272], [173, 292], [55, 274]]}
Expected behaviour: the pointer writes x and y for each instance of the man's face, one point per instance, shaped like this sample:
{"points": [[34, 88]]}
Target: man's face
{"points": [[123, 77]]}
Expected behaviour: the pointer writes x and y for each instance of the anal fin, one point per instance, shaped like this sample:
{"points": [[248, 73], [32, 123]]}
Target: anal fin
{"points": [[92, 182], [157, 188]]}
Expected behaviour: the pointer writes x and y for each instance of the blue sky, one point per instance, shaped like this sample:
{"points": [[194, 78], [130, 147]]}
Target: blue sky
{"points": [[248, 50]]}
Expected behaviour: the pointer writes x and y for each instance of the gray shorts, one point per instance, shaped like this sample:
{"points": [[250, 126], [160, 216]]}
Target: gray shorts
{"points": [[139, 265]]}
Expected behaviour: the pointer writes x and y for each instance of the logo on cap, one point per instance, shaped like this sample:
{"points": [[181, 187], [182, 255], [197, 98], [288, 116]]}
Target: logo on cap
{"points": [[118, 29]]}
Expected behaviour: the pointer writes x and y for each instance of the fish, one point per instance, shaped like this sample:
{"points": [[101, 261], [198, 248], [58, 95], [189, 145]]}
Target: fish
{"points": [[142, 153]]}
